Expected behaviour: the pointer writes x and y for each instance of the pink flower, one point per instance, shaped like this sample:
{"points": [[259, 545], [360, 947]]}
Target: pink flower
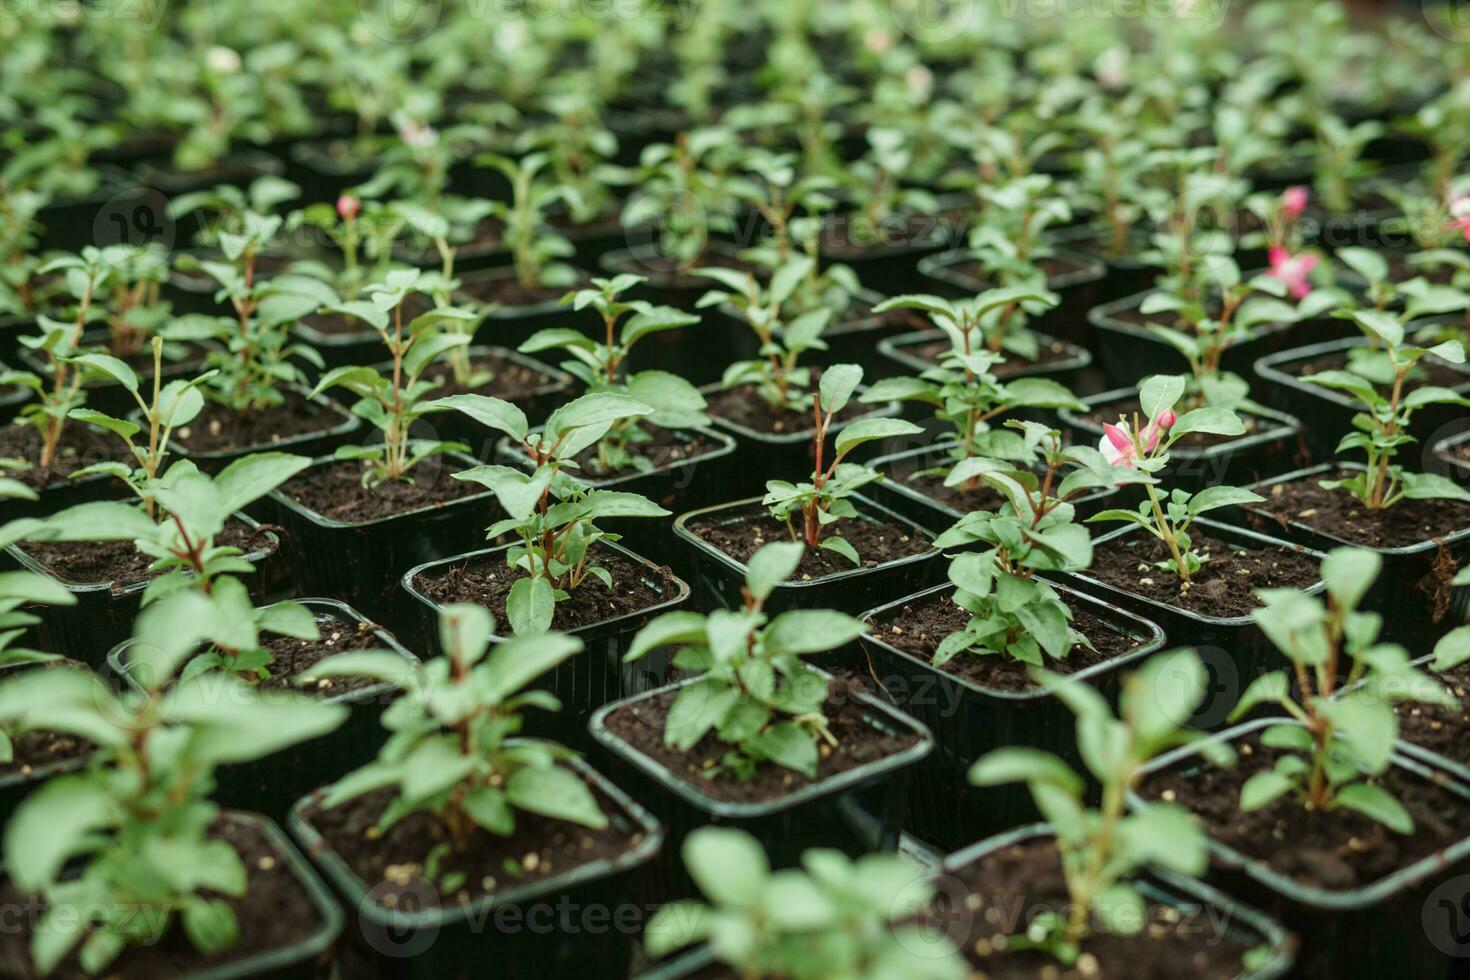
{"points": [[1460, 212], [1118, 447], [1294, 202], [1293, 270], [349, 206]]}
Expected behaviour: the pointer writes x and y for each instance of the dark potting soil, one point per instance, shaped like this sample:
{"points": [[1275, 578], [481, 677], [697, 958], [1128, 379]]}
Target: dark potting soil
{"points": [[1440, 729], [1050, 351], [392, 862], [740, 533], [1338, 512], [292, 657], [119, 562], [641, 725], [340, 324], [80, 446], [511, 380], [931, 485], [1222, 588], [1336, 849], [219, 428], [1429, 371], [1130, 409], [742, 405], [508, 293], [486, 580], [665, 447], [275, 912], [488, 235], [1005, 890], [335, 490], [855, 237], [917, 628]]}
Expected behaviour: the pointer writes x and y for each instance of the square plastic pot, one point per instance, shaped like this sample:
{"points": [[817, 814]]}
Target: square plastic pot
{"points": [[1159, 887], [1452, 459], [273, 785], [104, 613], [456, 942], [318, 443], [858, 811], [1327, 414], [1075, 283], [361, 562], [590, 679], [1394, 927], [898, 495], [1412, 592], [890, 265], [326, 168], [1277, 441], [903, 357], [1123, 275], [968, 720], [1233, 648], [717, 579]]}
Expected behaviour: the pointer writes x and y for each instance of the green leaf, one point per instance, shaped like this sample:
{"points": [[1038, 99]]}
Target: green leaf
{"points": [[869, 430], [530, 605], [1452, 649], [1376, 803], [1349, 573], [803, 631], [1263, 788], [1367, 725], [698, 707], [1209, 420], [679, 628], [493, 413], [1269, 688], [464, 632], [555, 792], [770, 566], [1025, 765], [728, 866], [788, 744], [516, 662], [676, 925], [249, 478], [1213, 498], [52, 824], [488, 808], [837, 385], [1160, 392], [110, 366], [210, 924]]}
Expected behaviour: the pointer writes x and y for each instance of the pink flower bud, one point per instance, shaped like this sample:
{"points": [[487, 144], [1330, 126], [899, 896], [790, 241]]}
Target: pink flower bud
{"points": [[1294, 201], [349, 206], [1167, 419]]}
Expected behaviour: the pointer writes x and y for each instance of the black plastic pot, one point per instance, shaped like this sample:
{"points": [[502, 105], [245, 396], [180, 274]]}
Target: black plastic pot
{"points": [[324, 169], [16, 785], [1451, 458], [1076, 287], [886, 259], [12, 328], [103, 614], [1412, 592], [520, 928], [1277, 441], [762, 456], [898, 495], [239, 169], [273, 784], [1394, 927], [116, 210], [858, 811], [1327, 414], [318, 443], [903, 353], [665, 286], [717, 579], [593, 677], [1192, 898], [1123, 275], [361, 562], [512, 326], [1233, 648], [968, 720]]}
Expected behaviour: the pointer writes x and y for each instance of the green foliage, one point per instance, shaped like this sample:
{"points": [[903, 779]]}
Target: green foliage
{"points": [[838, 918]]}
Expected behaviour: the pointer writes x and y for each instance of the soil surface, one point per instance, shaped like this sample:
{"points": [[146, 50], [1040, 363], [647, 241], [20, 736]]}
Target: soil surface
{"points": [[1027, 878], [1222, 588], [859, 742], [508, 293], [1338, 512], [512, 381], [1429, 371], [292, 657], [740, 533], [850, 237], [275, 912], [486, 580], [392, 863], [80, 446], [665, 447], [917, 628], [119, 562], [1440, 729], [742, 405], [335, 490], [1335, 849], [220, 428]]}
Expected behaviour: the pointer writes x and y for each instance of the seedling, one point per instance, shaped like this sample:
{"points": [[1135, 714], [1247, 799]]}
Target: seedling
{"points": [[826, 499], [753, 692], [549, 511], [363, 231], [1146, 449], [1343, 734], [860, 919], [1102, 850], [534, 246], [222, 209], [453, 751], [676, 403], [683, 187], [1383, 426]]}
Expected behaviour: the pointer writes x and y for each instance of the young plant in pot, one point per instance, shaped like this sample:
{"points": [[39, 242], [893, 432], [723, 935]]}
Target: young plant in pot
{"points": [[536, 275], [1328, 773], [663, 452], [1174, 565], [757, 738], [561, 568], [857, 550], [967, 394], [360, 517], [1110, 884], [1417, 522], [131, 863], [470, 816], [866, 920], [222, 210]]}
